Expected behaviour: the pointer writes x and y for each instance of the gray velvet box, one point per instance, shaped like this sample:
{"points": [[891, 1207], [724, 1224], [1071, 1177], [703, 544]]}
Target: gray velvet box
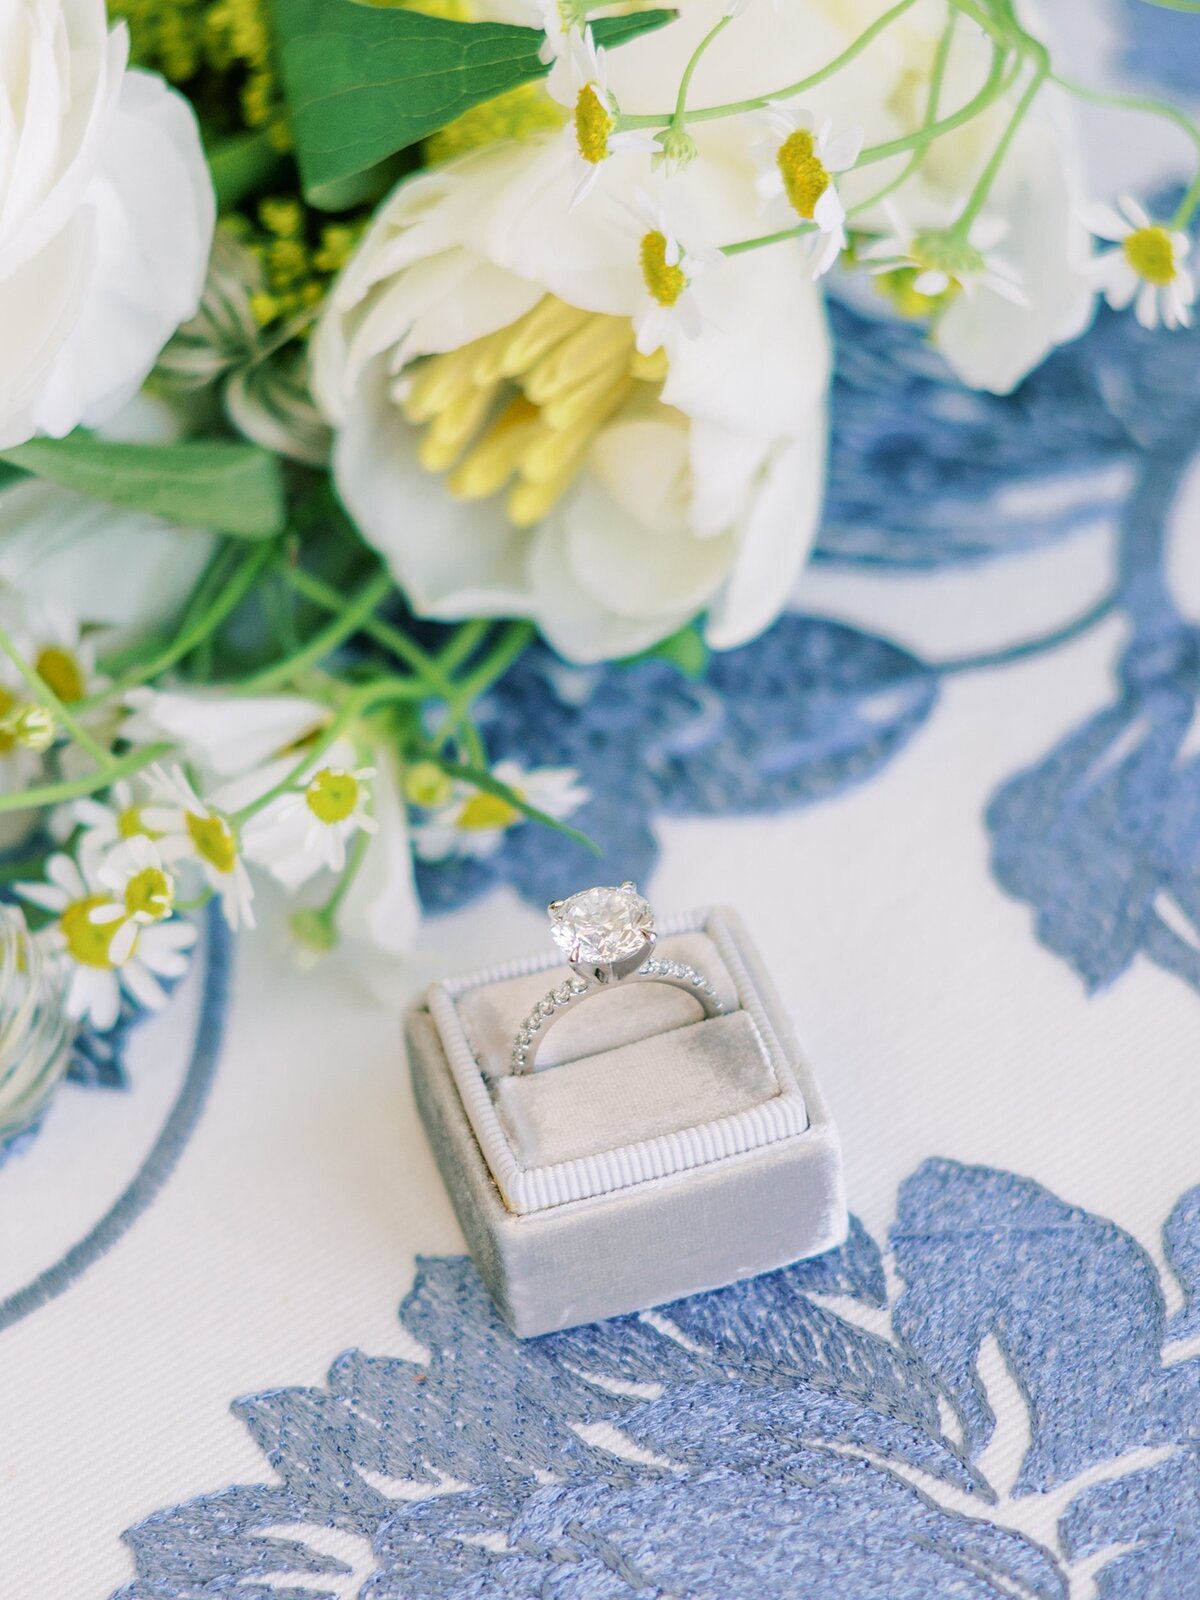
{"points": [[651, 1156]]}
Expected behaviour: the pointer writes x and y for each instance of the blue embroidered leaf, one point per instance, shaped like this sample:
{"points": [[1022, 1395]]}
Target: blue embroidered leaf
{"points": [[1100, 837], [1181, 1246], [1072, 1300], [833, 1527], [808, 710], [1149, 1524], [792, 1451], [767, 1330], [212, 1547]]}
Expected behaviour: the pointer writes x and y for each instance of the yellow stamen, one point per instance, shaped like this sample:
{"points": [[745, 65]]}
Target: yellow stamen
{"points": [[212, 838], [666, 282], [600, 341], [593, 124], [333, 795], [453, 428], [805, 178], [88, 942], [150, 894], [525, 403], [1151, 254], [498, 453], [59, 670], [486, 811]]}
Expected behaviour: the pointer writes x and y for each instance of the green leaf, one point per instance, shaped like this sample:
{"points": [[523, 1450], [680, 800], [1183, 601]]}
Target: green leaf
{"points": [[686, 651], [204, 483], [363, 82]]}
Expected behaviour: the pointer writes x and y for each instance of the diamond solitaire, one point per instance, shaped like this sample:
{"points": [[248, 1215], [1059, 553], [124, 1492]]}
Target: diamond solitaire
{"points": [[607, 935], [603, 926]]}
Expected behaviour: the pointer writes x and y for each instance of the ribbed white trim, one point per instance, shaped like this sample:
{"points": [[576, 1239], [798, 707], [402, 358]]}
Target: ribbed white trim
{"points": [[527, 1189]]}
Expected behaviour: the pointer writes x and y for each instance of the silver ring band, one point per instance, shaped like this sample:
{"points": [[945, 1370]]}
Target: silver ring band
{"points": [[594, 970]]}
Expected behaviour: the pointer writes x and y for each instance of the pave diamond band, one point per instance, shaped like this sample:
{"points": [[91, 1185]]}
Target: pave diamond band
{"points": [[608, 937]]}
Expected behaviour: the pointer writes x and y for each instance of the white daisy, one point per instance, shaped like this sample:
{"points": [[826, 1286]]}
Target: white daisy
{"points": [[100, 957], [596, 130], [1147, 270], [105, 823], [193, 831], [668, 272], [473, 821], [799, 159], [310, 828], [941, 262], [143, 890]]}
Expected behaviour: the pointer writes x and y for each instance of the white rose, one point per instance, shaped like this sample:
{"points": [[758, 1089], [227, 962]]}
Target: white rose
{"points": [[106, 218], [684, 483]]}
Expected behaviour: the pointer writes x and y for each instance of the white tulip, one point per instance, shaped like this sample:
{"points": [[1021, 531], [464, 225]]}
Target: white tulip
{"points": [[106, 218], [607, 495]]}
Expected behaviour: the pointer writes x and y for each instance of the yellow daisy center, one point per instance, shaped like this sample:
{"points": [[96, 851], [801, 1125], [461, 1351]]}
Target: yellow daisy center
{"points": [[666, 282], [333, 795], [212, 838], [59, 669], [485, 811], [594, 123], [130, 824], [805, 178], [900, 288], [88, 942], [150, 894], [520, 407], [1151, 254]]}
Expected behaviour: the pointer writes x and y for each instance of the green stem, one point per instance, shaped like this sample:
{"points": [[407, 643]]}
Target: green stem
{"points": [[992, 88], [1152, 108], [349, 621], [53, 794], [393, 639], [354, 860], [742, 245], [190, 636], [979, 194], [463, 644], [759, 102], [46, 695], [483, 779], [1190, 7], [685, 83], [516, 638]]}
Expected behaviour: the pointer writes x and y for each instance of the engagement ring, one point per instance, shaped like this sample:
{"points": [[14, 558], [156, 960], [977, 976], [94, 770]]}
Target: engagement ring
{"points": [[608, 937]]}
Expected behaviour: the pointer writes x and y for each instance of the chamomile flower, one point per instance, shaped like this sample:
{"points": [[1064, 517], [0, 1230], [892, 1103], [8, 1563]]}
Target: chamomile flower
{"points": [[142, 890], [668, 272], [1147, 269], [102, 952], [473, 822], [105, 823], [309, 829], [799, 160], [934, 263], [193, 831], [596, 128]]}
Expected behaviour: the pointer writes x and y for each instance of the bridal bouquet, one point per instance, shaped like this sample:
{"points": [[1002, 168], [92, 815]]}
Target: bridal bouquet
{"points": [[347, 349]]}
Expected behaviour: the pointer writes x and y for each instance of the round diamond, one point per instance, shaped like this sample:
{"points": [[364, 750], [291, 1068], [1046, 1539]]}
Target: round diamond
{"points": [[602, 925]]}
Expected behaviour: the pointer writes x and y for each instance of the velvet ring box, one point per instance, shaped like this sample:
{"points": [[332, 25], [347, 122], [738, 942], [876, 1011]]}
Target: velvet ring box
{"points": [[653, 1154]]}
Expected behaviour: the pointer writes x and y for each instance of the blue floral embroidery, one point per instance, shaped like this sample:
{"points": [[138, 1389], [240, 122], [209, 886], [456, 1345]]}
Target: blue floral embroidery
{"points": [[797, 1434]]}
